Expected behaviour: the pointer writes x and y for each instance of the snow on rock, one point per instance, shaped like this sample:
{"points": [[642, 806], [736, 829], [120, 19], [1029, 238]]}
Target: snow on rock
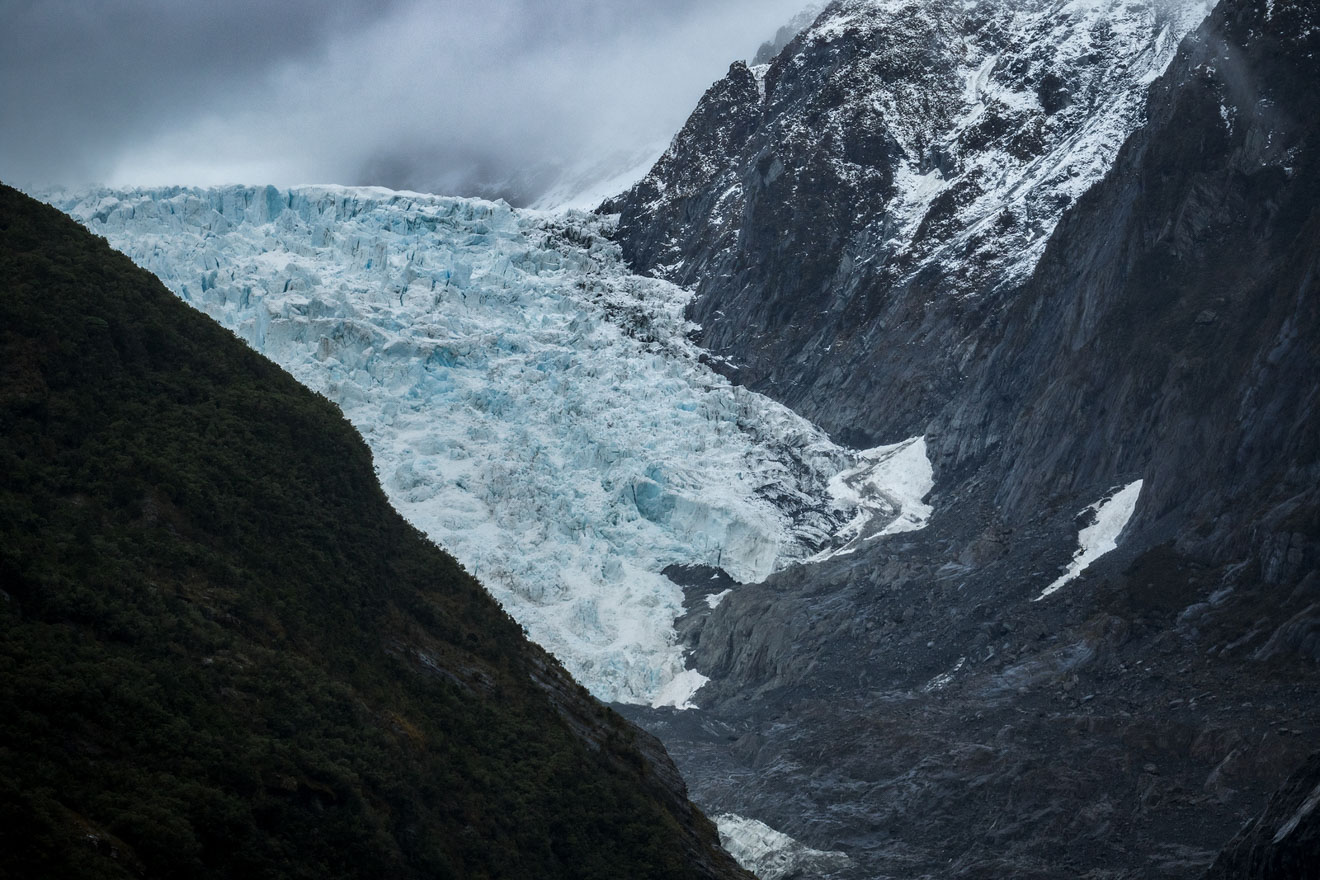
{"points": [[770, 854], [1037, 123], [886, 489], [1110, 516], [680, 690], [996, 115], [944, 679], [530, 405], [714, 599], [1033, 74]]}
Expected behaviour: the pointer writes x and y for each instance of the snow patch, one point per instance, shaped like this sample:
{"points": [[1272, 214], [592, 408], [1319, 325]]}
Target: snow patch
{"points": [[714, 599], [771, 854], [1111, 515]]}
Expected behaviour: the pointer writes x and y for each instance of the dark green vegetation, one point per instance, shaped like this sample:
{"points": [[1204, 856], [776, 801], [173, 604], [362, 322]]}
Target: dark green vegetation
{"points": [[223, 654]]}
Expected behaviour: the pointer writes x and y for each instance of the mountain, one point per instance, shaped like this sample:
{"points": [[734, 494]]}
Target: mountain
{"points": [[1046, 604], [224, 654], [923, 149], [1087, 280]]}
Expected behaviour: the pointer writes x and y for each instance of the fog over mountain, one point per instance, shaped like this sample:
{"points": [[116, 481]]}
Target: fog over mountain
{"points": [[445, 96]]}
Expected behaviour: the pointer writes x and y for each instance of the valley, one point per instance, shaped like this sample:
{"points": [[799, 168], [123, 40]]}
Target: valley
{"points": [[926, 449]]}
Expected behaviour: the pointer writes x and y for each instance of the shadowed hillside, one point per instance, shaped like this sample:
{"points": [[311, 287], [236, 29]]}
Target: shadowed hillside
{"points": [[223, 654]]}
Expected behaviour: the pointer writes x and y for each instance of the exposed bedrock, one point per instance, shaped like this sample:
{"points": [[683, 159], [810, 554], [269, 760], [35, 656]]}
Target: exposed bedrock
{"points": [[909, 704]]}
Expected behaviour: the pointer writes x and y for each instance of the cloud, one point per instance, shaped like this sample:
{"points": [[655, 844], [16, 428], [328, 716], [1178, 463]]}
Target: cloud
{"points": [[451, 96], [83, 80]]}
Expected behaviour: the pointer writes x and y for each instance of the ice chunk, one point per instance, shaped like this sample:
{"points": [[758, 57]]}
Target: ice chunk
{"points": [[714, 599], [885, 491], [680, 690]]}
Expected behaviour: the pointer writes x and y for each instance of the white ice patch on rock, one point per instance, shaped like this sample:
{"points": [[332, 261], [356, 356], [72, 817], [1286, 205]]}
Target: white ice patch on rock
{"points": [[770, 854], [714, 599], [680, 690], [944, 679], [530, 405], [1111, 515], [886, 491]]}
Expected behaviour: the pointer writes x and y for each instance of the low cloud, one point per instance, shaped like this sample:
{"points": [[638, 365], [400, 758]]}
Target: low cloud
{"points": [[446, 96]]}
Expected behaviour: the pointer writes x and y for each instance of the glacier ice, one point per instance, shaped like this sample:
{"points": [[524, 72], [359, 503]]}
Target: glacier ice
{"points": [[530, 405], [1110, 516], [771, 854]]}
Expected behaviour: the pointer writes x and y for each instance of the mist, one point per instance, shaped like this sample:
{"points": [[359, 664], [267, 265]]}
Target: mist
{"points": [[452, 97]]}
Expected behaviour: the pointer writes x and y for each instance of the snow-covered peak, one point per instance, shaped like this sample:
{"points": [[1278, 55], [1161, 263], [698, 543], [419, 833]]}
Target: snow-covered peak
{"points": [[593, 180], [1003, 111], [532, 406], [798, 23], [958, 131]]}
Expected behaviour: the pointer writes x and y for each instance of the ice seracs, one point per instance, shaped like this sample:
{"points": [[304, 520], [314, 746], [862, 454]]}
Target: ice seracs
{"points": [[530, 405], [1110, 515]]}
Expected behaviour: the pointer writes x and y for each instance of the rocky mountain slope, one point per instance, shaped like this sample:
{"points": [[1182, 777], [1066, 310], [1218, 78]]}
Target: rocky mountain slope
{"points": [[223, 654], [1149, 339], [882, 181]]}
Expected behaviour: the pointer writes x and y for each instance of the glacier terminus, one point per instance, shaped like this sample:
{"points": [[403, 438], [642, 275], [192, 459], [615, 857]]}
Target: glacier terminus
{"points": [[531, 405]]}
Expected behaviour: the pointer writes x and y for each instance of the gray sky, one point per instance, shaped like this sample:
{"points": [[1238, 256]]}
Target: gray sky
{"points": [[434, 94]]}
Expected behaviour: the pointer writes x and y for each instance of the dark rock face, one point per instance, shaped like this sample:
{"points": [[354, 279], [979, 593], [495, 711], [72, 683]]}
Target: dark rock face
{"points": [[1283, 843], [910, 705], [1169, 331]]}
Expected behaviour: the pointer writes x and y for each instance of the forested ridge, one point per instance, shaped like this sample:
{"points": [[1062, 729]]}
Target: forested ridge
{"points": [[223, 654]]}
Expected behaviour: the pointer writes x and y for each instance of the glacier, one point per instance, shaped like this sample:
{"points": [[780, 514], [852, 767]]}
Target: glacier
{"points": [[530, 405]]}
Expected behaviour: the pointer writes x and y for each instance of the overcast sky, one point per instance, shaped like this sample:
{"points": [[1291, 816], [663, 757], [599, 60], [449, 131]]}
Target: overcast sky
{"points": [[434, 94]]}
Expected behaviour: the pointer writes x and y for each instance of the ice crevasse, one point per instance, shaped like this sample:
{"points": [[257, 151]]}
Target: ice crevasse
{"points": [[530, 405]]}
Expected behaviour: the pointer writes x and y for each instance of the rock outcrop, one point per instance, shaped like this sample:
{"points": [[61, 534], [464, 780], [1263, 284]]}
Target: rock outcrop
{"points": [[1283, 843]]}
